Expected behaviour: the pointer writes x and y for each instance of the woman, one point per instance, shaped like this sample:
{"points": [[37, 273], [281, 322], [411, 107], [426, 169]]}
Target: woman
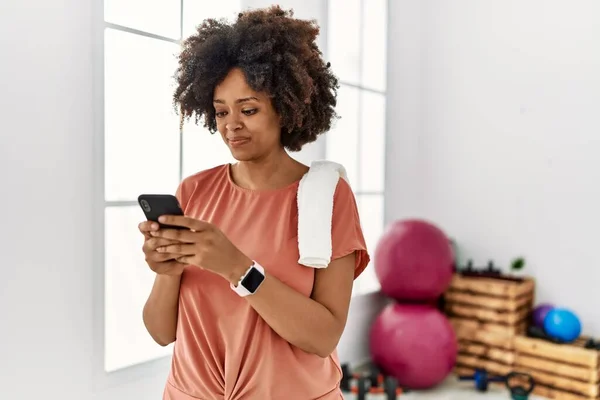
{"points": [[247, 320]]}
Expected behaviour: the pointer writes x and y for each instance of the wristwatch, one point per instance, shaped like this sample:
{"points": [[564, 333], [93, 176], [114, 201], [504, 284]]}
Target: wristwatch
{"points": [[250, 281]]}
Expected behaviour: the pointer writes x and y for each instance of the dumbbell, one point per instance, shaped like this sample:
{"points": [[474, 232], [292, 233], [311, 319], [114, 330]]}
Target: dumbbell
{"points": [[482, 379], [346, 377], [374, 377], [370, 383], [390, 389]]}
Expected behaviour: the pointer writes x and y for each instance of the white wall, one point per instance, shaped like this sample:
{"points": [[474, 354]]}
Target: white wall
{"points": [[46, 181], [50, 339], [495, 116]]}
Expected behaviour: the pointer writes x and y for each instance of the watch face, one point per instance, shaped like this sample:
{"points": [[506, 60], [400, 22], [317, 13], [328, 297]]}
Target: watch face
{"points": [[252, 280]]}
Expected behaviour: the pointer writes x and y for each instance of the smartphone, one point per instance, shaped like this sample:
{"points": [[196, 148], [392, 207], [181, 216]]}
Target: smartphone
{"points": [[155, 205]]}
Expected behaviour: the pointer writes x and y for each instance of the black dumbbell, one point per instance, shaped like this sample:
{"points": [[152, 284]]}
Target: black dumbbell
{"points": [[374, 376], [346, 378], [362, 387], [390, 385]]}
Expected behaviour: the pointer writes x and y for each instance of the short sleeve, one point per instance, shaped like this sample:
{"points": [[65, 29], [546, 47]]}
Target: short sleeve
{"points": [[182, 193], [346, 232]]}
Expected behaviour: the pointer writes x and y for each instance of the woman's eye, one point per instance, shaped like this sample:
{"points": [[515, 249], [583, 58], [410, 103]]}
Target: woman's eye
{"points": [[220, 114], [250, 111]]}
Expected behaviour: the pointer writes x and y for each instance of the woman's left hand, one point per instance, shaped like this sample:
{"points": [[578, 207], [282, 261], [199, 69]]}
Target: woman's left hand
{"points": [[203, 245]]}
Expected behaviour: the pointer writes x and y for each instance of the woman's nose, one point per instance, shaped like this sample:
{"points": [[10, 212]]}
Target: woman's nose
{"points": [[233, 124]]}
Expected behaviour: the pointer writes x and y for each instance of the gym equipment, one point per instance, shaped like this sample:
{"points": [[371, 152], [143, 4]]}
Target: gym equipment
{"points": [[539, 314], [346, 378], [488, 271], [372, 382], [414, 261], [516, 389], [592, 344], [562, 324], [535, 332], [413, 343], [362, 388], [520, 385], [481, 379], [374, 377]]}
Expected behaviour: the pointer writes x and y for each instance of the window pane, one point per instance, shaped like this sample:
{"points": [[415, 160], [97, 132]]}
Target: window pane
{"points": [[342, 139], [343, 37], [160, 17], [128, 282], [374, 42], [201, 150], [370, 208], [141, 126], [196, 11], [372, 142]]}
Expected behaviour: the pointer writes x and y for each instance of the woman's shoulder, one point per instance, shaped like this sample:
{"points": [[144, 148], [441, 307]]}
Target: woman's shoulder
{"points": [[343, 192], [213, 177]]}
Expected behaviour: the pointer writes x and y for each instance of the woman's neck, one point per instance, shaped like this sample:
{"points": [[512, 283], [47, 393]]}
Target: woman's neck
{"points": [[273, 172]]}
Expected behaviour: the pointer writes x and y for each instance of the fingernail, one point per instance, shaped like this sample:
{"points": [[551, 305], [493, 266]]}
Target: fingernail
{"points": [[154, 233], [161, 218], [154, 226], [160, 249]]}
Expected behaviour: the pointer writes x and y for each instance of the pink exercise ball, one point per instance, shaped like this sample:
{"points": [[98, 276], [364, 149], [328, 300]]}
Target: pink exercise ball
{"points": [[414, 343], [414, 261]]}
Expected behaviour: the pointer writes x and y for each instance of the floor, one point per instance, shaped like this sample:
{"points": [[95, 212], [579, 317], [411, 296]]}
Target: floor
{"points": [[451, 390]]}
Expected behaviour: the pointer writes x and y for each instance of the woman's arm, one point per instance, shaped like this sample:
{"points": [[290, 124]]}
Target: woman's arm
{"points": [[161, 308], [314, 324]]}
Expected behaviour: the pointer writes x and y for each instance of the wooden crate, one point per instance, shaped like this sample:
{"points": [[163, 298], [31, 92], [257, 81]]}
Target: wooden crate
{"points": [[487, 313], [539, 390], [561, 371]]}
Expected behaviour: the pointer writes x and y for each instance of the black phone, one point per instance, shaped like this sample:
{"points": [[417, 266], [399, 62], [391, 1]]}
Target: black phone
{"points": [[155, 205]]}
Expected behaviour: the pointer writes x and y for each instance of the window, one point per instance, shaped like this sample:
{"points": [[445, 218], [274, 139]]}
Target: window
{"points": [[356, 48], [144, 152]]}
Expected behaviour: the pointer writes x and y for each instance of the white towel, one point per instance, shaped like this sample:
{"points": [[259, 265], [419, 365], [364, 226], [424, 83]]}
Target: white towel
{"points": [[315, 212]]}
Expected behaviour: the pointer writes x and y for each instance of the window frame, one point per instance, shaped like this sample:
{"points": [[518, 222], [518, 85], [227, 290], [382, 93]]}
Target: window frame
{"points": [[102, 379], [362, 286]]}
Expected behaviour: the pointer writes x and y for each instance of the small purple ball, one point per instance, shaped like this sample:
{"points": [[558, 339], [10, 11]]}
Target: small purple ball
{"points": [[539, 314]]}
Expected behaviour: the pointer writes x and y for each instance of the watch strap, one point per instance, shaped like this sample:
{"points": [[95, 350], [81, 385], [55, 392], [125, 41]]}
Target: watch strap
{"points": [[240, 289]]}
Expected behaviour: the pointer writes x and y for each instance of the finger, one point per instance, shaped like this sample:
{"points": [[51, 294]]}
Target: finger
{"points": [[155, 242], [148, 226], [161, 257], [186, 222], [178, 248], [184, 259], [179, 235]]}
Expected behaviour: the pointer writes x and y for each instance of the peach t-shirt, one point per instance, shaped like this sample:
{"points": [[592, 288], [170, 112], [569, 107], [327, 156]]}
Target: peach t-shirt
{"points": [[224, 349]]}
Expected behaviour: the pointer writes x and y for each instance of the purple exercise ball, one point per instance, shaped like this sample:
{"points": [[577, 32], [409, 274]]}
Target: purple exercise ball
{"points": [[539, 314], [414, 261], [414, 343]]}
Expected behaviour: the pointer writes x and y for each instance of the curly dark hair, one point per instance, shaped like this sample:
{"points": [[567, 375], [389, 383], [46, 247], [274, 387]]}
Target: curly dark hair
{"points": [[278, 55]]}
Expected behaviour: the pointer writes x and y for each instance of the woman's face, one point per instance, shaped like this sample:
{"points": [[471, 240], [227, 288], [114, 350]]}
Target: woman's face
{"points": [[246, 119]]}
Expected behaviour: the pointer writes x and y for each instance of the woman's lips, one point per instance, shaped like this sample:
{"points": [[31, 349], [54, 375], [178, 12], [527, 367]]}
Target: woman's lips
{"points": [[238, 142]]}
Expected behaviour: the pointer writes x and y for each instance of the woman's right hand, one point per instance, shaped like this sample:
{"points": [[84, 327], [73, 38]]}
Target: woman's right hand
{"points": [[161, 263]]}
